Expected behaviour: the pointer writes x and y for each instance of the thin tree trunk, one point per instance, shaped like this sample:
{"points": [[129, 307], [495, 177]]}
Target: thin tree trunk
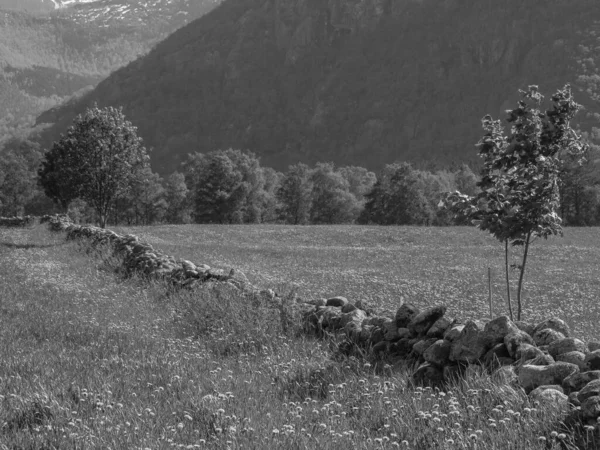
{"points": [[522, 274], [507, 279]]}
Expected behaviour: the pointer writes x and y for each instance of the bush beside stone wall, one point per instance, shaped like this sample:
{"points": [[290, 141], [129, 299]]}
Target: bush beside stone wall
{"points": [[544, 359]]}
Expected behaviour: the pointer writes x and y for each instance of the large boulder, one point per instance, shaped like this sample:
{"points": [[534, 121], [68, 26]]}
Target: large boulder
{"points": [[514, 340], [471, 345], [547, 336], [438, 353], [531, 376], [497, 329], [550, 398], [566, 345], [438, 329], [589, 390], [577, 358], [592, 360], [555, 324], [422, 322], [578, 381], [405, 314]]}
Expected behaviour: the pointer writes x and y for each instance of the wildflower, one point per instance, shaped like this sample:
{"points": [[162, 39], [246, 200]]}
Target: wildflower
{"points": [[553, 434], [562, 436]]}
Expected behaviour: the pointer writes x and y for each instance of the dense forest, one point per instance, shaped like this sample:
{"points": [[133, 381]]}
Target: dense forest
{"points": [[354, 82]]}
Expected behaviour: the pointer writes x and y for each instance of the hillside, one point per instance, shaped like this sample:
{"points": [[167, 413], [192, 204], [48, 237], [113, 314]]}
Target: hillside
{"points": [[353, 81], [47, 56]]}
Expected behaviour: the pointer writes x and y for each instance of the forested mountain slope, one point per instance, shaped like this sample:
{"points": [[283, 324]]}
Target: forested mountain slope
{"points": [[352, 81], [48, 54]]}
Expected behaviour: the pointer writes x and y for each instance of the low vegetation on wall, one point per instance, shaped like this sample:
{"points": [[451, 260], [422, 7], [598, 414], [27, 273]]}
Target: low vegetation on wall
{"points": [[545, 360]]}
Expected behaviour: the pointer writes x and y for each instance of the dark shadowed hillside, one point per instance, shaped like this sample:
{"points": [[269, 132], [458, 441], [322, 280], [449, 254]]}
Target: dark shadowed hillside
{"points": [[352, 81]]}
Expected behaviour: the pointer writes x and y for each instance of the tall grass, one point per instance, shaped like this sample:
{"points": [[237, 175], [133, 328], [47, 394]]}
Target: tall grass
{"points": [[92, 360]]}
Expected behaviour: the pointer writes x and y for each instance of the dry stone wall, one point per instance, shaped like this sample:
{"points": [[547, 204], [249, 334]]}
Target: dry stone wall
{"points": [[544, 359], [17, 221]]}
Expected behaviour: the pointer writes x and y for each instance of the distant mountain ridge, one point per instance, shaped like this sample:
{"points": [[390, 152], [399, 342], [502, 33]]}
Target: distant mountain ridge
{"points": [[360, 82], [48, 54]]}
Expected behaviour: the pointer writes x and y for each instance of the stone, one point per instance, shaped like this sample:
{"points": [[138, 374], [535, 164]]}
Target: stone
{"points": [[556, 387], [422, 345], [592, 360], [497, 355], [547, 336], [541, 360], [527, 327], [593, 346], [439, 327], [531, 376], [438, 353], [577, 358], [428, 374], [453, 332], [349, 307], [401, 348], [590, 408], [470, 346], [555, 324], [550, 397], [497, 329], [329, 317], [390, 330], [405, 314], [589, 390], [317, 302], [338, 302], [420, 323], [566, 345], [403, 332], [505, 375], [514, 340], [526, 352], [355, 317], [381, 347], [573, 400], [577, 381]]}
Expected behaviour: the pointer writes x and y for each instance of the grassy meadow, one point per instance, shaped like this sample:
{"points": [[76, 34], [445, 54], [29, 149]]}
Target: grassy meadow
{"points": [[382, 265], [90, 360]]}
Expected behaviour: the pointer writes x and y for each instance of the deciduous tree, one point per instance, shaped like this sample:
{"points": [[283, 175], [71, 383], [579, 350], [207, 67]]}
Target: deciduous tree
{"points": [[96, 160]]}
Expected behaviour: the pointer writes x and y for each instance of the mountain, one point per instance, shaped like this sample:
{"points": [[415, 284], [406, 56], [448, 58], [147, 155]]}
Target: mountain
{"points": [[50, 51], [361, 82], [39, 5]]}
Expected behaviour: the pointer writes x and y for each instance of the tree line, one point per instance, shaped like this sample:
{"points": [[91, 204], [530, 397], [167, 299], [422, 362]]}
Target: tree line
{"points": [[99, 171]]}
